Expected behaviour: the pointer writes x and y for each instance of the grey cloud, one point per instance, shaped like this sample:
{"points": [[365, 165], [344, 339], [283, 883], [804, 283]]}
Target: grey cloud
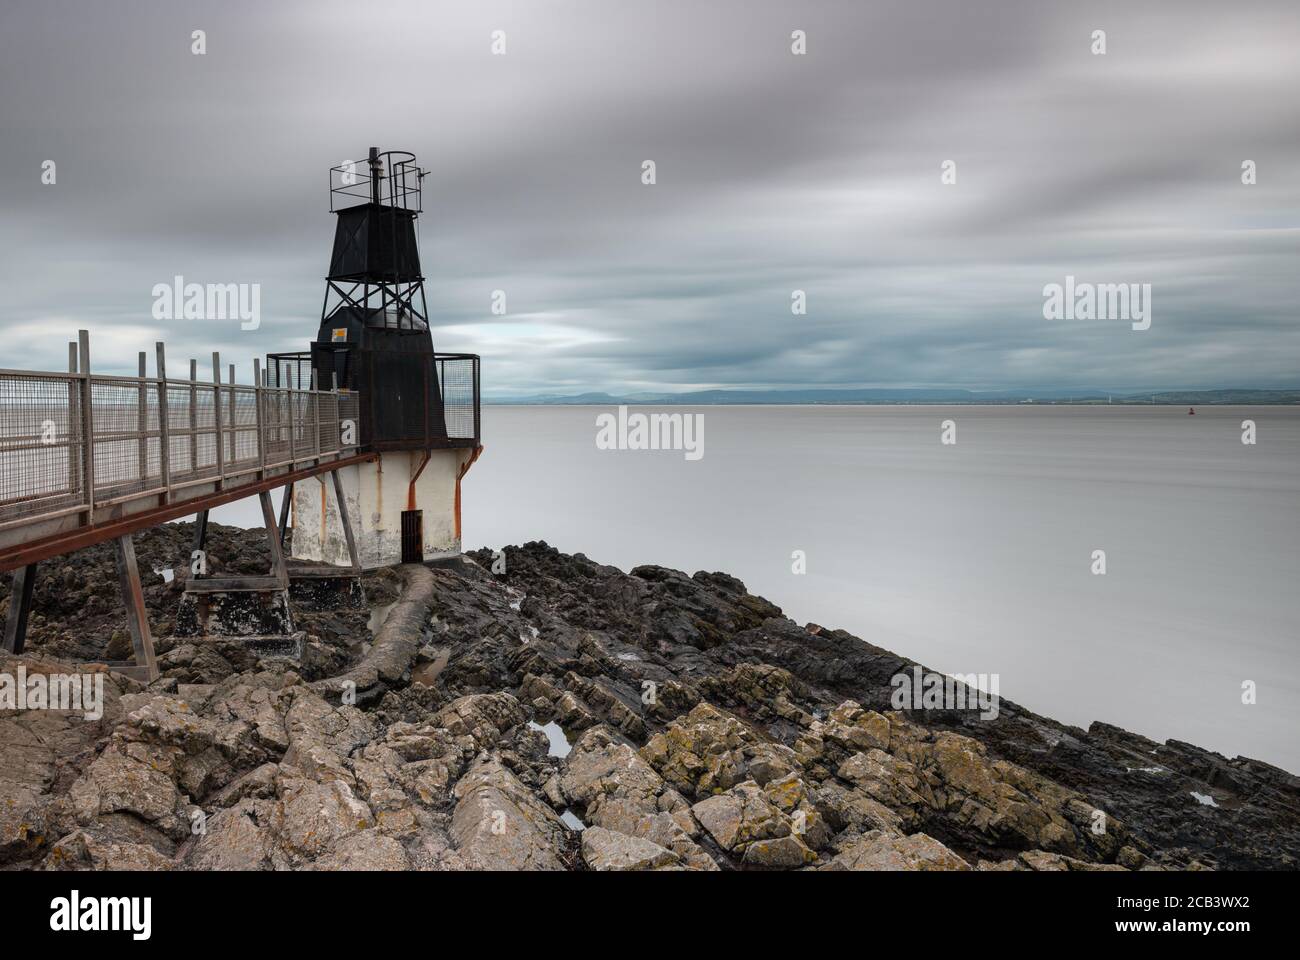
{"points": [[775, 173]]}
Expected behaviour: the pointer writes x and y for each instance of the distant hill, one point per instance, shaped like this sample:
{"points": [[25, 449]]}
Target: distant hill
{"points": [[919, 396]]}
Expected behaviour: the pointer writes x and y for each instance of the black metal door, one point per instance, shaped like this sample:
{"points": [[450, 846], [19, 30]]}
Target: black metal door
{"points": [[412, 536]]}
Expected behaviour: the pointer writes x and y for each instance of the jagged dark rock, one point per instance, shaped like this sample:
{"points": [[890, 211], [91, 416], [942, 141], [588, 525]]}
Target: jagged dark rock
{"points": [[706, 731]]}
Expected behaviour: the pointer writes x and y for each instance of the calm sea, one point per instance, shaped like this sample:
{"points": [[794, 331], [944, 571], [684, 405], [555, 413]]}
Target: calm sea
{"points": [[973, 557]]}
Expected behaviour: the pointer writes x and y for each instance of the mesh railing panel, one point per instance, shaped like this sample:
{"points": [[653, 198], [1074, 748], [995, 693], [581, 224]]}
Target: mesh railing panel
{"points": [[43, 447], [458, 377], [40, 444], [239, 423], [126, 437]]}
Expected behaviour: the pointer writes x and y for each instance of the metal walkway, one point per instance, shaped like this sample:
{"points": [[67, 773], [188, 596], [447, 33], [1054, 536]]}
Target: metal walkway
{"points": [[86, 458]]}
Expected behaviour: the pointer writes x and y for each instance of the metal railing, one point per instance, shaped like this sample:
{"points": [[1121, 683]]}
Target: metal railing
{"points": [[458, 380], [458, 374], [77, 442], [395, 180]]}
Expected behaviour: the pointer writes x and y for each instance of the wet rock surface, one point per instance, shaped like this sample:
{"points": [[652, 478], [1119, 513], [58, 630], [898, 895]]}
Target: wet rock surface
{"points": [[705, 731]]}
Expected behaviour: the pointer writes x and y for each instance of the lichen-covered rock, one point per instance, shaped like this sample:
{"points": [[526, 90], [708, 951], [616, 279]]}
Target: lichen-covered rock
{"points": [[24, 824], [740, 816], [784, 853], [26, 773], [499, 825], [258, 701], [321, 736], [429, 781], [258, 783], [853, 728], [766, 692], [702, 753], [894, 783], [984, 798], [571, 713], [40, 754], [313, 816], [600, 702], [853, 810], [169, 720], [601, 766], [366, 850], [1055, 862], [137, 784], [883, 851], [195, 663], [483, 718], [84, 851], [615, 788], [236, 838], [608, 850], [375, 774], [674, 830]]}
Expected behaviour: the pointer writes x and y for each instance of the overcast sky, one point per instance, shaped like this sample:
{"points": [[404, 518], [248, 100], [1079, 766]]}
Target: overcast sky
{"points": [[775, 172]]}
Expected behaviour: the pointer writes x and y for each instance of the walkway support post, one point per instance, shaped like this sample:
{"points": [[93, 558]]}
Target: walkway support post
{"points": [[200, 544], [346, 521], [194, 416], [76, 474], [216, 419], [234, 416], [285, 504], [315, 415], [260, 418], [278, 568], [87, 423], [142, 419], [20, 607], [137, 614], [164, 423]]}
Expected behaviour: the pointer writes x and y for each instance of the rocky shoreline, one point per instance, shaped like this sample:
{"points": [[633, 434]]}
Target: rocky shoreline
{"points": [[565, 715]]}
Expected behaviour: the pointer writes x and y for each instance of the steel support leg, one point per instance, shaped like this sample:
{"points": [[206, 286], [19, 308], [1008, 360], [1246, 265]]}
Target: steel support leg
{"points": [[284, 512], [200, 538], [278, 568], [137, 615], [20, 607], [346, 521]]}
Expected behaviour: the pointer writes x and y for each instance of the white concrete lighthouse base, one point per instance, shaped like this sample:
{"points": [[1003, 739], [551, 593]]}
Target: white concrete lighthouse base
{"points": [[377, 494]]}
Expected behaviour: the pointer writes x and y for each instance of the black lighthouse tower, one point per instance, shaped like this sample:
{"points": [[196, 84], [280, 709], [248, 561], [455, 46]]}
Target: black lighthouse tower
{"points": [[417, 411], [374, 332]]}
